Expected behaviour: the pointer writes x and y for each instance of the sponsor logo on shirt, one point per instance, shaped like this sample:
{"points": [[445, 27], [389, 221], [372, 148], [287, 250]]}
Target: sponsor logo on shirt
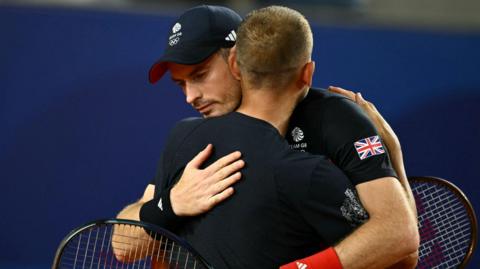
{"points": [[297, 136], [369, 147], [353, 210]]}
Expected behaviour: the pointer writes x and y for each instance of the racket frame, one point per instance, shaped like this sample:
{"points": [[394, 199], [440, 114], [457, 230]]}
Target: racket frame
{"points": [[466, 204], [147, 226]]}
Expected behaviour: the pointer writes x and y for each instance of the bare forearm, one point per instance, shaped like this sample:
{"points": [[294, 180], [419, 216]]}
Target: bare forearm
{"points": [[371, 246], [131, 212], [396, 156], [389, 236], [395, 151], [126, 240]]}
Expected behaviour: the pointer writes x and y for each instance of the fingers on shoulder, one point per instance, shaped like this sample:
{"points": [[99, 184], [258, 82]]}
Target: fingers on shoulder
{"points": [[224, 161]]}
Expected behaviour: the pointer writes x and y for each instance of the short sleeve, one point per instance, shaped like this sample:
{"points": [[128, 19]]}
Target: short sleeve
{"points": [[321, 197], [353, 143], [328, 202]]}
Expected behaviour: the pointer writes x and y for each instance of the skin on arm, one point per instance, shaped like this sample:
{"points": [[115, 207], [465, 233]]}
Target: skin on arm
{"points": [[131, 211], [389, 237], [127, 242], [197, 191]]}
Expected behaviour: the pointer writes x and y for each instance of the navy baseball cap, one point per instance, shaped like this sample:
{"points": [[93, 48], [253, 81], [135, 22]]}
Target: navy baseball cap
{"points": [[197, 34]]}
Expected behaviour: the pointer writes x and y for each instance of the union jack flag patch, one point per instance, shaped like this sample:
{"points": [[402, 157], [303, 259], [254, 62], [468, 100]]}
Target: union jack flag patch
{"points": [[368, 147]]}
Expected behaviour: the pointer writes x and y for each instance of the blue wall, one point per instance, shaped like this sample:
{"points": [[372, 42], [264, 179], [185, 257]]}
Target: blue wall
{"points": [[81, 129]]}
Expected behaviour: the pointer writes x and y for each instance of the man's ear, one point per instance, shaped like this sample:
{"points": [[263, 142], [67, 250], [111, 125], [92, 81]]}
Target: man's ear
{"points": [[232, 63], [306, 76]]}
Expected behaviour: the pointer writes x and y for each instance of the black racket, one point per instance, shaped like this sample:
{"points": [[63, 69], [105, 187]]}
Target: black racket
{"points": [[447, 223], [125, 244]]}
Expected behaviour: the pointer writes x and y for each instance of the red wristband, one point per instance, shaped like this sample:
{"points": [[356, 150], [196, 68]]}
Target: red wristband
{"points": [[327, 259]]}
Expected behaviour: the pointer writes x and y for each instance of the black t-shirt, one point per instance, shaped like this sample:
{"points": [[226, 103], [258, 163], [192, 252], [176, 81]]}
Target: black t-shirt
{"points": [[287, 205], [332, 125]]}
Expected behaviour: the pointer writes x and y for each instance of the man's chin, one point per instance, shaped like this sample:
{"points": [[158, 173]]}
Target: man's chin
{"points": [[210, 115], [213, 114]]}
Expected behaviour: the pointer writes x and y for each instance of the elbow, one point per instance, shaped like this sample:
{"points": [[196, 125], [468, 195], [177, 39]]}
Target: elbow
{"points": [[412, 259], [412, 236], [409, 239], [404, 238], [409, 262]]}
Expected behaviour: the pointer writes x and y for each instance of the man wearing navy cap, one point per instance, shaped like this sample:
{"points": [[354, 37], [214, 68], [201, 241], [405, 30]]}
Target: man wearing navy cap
{"points": [[204, 84], [202, 37]]}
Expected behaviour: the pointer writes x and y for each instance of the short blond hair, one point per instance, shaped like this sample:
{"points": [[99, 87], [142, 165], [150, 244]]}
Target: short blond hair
{"points": [[272, 43]]}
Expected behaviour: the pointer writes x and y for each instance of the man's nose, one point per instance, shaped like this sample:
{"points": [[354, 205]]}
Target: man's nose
{"points": [[192, 93]]}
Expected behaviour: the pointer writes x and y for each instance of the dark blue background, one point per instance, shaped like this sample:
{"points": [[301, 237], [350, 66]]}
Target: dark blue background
{"points": [[81, 129]]}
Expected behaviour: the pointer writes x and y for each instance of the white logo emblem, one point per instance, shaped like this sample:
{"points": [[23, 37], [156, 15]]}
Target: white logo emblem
{"points": [[297, 134], [232, 36], [177, 27], [301, 265], [173, 42], [353, 210], [160, 205], [175, 37]]}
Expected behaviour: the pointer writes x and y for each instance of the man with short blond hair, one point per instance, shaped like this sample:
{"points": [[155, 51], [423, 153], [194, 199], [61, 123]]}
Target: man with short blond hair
{"points": [[273, 59], [289, 204]]}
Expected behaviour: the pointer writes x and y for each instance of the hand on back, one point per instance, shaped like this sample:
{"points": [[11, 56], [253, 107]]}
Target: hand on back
{"points": [[199, 190]]}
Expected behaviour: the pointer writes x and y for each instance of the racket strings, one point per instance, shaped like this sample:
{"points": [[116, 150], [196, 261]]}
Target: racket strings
{"points": [[125, 246], [444, 225]]}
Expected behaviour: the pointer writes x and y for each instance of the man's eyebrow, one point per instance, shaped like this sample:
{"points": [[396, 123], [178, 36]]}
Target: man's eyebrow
{"points": [[196, 70]]}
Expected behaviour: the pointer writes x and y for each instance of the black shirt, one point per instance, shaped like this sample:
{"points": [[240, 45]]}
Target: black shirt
{"points": [[287, 205], [330, 124]]}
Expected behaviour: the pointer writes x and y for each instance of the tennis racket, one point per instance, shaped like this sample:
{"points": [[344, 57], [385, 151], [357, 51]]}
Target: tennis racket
{"points": [[447, 223], [125, 244]]}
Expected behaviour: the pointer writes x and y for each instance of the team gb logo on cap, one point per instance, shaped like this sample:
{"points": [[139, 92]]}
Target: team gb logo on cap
{"points": [[177, 27], [173, 39]]}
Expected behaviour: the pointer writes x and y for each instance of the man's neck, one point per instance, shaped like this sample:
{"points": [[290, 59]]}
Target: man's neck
{"points": [[268, 105]]}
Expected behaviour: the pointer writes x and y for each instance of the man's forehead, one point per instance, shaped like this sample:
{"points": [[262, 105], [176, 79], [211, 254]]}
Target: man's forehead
{"points": [[181, 71]]}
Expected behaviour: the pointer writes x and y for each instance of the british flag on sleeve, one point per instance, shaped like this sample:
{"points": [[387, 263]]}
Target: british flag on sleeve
{"points": [[369, 146]]}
